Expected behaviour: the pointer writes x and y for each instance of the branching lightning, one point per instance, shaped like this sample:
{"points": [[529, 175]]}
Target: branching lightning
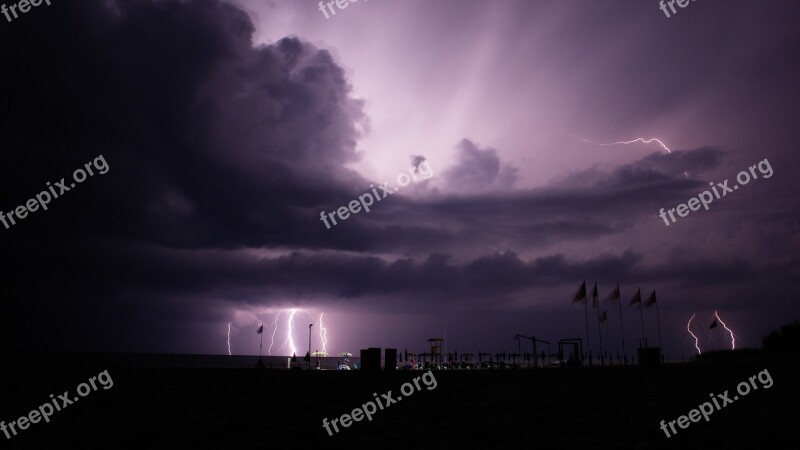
{"points": [[274, 329], [696, 341], [733, 340], [289, 340], [288, 343], [229, 339], [642, 140], [323, 334]]}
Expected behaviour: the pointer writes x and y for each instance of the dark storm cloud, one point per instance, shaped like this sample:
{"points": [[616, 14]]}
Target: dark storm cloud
{"points": [[436, 278], [246, 279], [222, 156], [190, 118], [583, 205], [211, 143], [479, 169], [416, 160], [679, 161]]}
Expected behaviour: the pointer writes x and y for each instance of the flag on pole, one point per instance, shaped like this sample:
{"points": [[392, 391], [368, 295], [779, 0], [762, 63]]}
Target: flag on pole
{"points": [[604, 317], [651, 300], [614, 295], [594, 296], [713, 324], [637, 298], [581, 294], [260, 329]]}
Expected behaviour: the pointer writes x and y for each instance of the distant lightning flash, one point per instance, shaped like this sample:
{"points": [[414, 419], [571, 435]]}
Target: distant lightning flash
{"points": [[695, 337], [642, 140], [274, 329], [323, 334], [733, 340], [229, 339]]}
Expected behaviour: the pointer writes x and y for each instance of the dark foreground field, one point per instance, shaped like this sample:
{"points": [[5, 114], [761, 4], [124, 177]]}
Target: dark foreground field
{"points": [[175, 408]]}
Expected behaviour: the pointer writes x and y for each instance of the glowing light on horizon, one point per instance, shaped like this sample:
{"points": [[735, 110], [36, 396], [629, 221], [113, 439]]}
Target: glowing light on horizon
{"points": [[323, 334], [733, 340], [229, 339], [696, 341]]}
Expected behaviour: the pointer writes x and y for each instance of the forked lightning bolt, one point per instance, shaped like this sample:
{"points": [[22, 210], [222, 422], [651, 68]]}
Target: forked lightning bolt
{"points": [[323, 334], [274, 329], [688, 325], [733, 340], [642, 140], [288, 343]]}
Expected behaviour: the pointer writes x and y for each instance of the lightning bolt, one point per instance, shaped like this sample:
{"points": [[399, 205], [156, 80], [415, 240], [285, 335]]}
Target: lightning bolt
{"points": [[642, 140], [229, 339], [690, 332], [733, 340], [323, 334], [275, 325], [288, 343]]}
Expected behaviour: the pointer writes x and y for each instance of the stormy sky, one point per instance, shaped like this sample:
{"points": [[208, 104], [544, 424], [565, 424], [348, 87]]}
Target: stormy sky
{"points": [[228, 127]]}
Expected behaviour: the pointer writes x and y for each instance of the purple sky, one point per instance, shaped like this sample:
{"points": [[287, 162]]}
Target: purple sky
{"points": [[229, 127]]}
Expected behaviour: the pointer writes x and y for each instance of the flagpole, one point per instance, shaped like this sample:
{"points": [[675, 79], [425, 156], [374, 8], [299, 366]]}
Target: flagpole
{"points": [[596, 302], [586, 315], [658, 317], [309, 345], [260, 330], [641, 313], [621, 330]]}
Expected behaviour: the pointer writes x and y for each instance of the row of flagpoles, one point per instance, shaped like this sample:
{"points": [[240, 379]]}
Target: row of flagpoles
{"points": [[614, 297]]}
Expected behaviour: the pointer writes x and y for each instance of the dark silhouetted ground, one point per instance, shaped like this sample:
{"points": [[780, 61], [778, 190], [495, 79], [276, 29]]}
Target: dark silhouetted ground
{"points": [[173, 408]]}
